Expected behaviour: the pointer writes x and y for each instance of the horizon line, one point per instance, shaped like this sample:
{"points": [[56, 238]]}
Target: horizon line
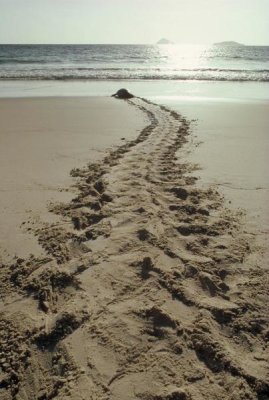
{"points": [[128, 44]]}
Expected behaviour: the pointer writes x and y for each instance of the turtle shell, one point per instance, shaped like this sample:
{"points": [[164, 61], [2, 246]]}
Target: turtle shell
{"points": [[123, 94]]}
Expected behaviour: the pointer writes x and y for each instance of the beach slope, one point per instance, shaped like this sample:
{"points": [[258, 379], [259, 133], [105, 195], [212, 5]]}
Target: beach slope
{"points": [[146, 290]]}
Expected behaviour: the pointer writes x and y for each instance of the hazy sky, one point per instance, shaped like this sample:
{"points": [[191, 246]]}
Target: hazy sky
{"points": [[134, 21]]}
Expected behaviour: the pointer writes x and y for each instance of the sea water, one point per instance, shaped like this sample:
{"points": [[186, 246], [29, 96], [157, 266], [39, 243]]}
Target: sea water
{"points": [[185, 72], [135, 62]]}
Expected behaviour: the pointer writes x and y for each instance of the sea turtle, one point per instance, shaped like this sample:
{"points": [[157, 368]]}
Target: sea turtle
{"points": [[123, 94]]}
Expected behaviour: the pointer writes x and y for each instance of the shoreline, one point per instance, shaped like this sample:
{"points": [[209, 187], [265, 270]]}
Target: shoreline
{"points": [[181, 90], [146, 286]]}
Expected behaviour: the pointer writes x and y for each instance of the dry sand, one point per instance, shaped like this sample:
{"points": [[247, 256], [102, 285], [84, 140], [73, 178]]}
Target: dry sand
{"points": [[231, 147], [41, 140], [233, 152], [146, 291]]}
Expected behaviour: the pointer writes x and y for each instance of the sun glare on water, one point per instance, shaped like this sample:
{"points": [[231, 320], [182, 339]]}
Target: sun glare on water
{"points": [[183, 56]]}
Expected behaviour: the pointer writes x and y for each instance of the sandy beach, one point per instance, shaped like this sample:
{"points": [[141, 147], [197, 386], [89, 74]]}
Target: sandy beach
{"points": [[143, 283], [230, 146], [41, 141], [232, 150]]}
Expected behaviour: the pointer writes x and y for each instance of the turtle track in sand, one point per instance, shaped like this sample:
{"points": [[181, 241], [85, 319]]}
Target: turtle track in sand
{"points": [[146, 292]]}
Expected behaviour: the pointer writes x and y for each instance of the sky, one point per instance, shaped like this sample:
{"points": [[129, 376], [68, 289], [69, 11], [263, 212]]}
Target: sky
{"points": [[134, 21]]}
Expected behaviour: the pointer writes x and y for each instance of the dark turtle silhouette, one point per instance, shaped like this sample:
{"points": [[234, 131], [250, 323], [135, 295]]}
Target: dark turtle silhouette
{"points": [[123, 94]]}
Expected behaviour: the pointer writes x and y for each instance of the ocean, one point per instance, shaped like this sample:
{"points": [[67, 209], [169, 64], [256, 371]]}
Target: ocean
{"points": [[134, 63]]}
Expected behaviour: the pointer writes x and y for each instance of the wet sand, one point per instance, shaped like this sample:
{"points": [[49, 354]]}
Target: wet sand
{"points": [[146, 290]]}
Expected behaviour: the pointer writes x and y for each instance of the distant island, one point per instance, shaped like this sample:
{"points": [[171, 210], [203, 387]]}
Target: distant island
{"points": [[164, 41], [229, 43]]}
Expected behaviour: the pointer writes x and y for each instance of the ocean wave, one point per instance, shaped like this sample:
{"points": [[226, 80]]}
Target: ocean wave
{"points": [[239, 57], [20, 61], [166, 70], [130, 73], [149, 77]]}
